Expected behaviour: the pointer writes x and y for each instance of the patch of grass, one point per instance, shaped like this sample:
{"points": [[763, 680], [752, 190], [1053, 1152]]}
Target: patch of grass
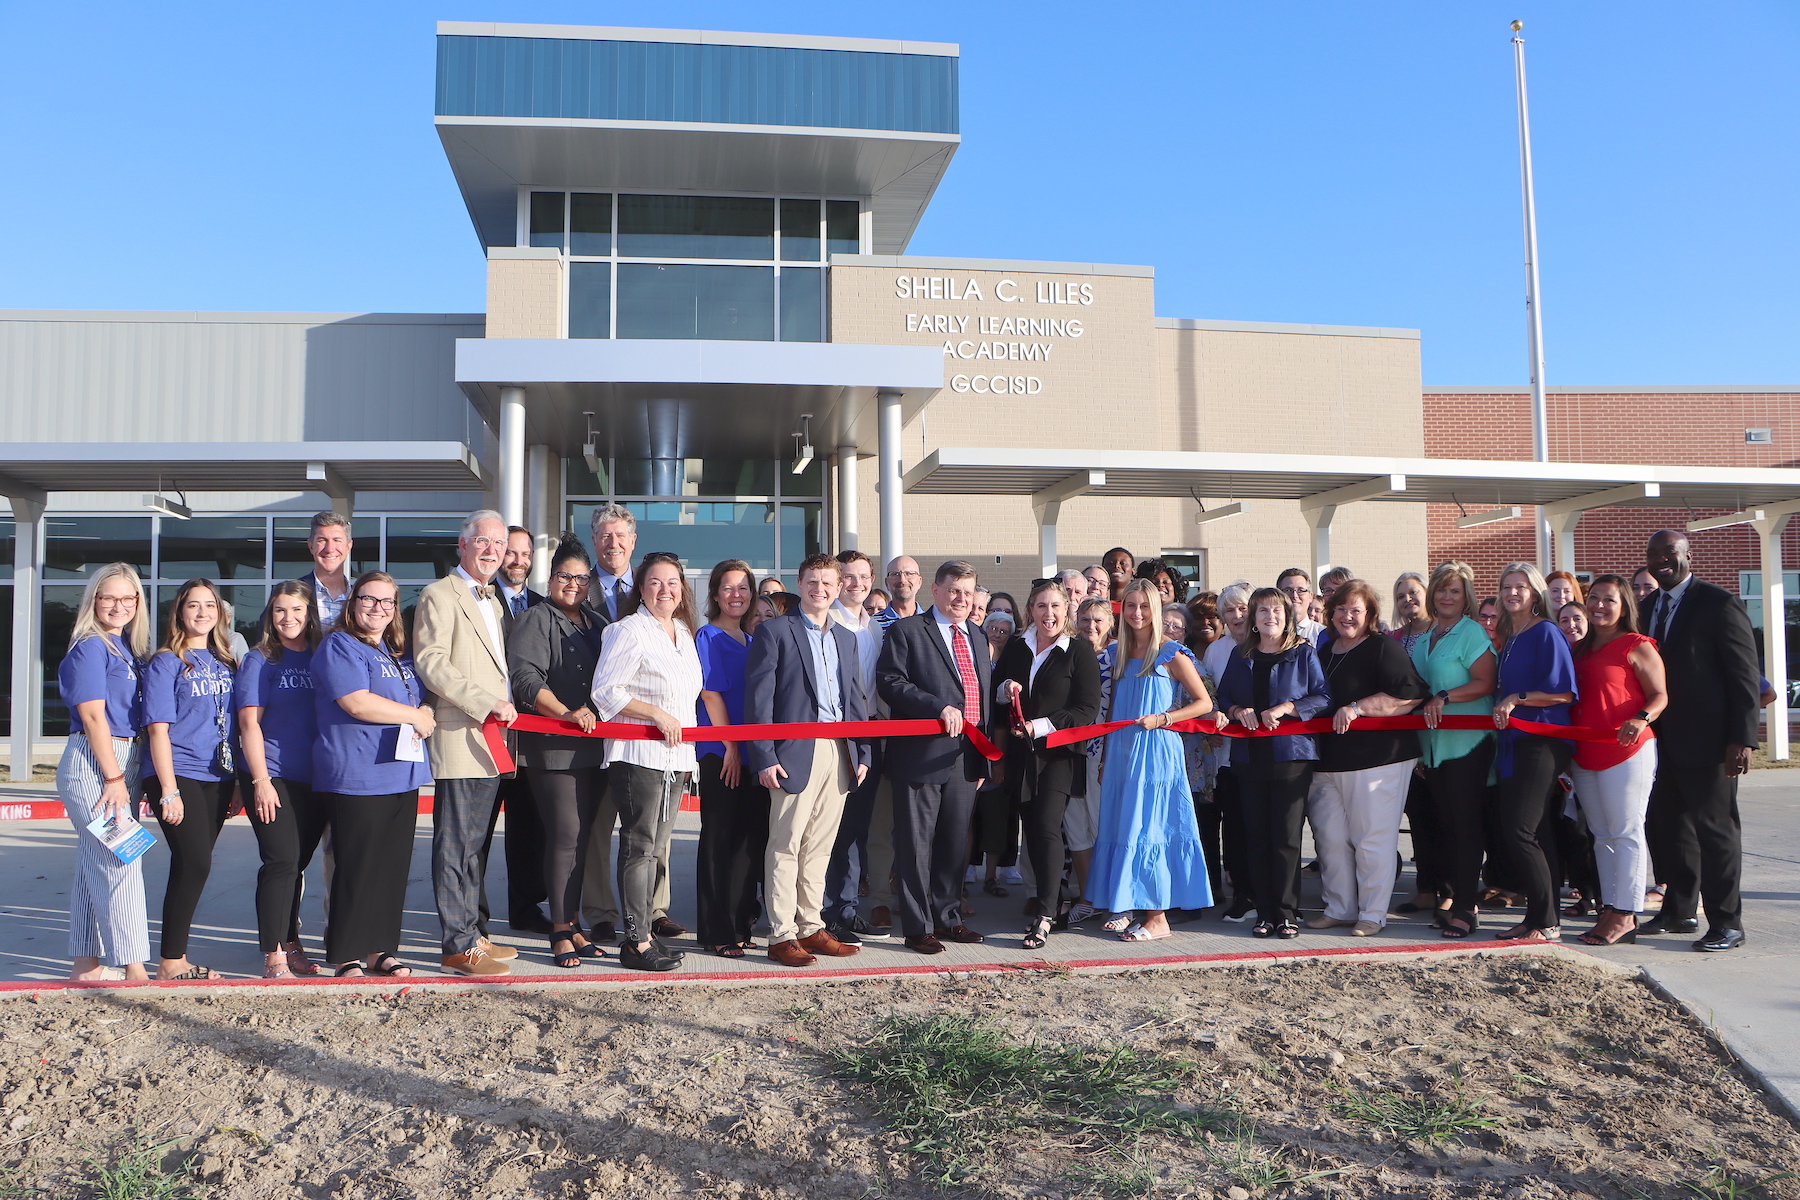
{"points": [[1720, 1184], [136, 1173], [953, 1086], [1414, 1116], [1249, 1166], [1130, 1174], [800, 1012]]}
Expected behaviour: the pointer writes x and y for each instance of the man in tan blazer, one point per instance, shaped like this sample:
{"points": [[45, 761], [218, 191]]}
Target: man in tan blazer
{"points": [[459, 650]]}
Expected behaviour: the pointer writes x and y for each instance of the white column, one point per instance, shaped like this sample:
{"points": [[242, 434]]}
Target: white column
{"points": [[1318, 521], [339, 495], [1563, 527], [541, 516], [893, 530], [846, 497], [1047, 504], [1768, 536], [512, 455], [1047, 515], [28, 610]]}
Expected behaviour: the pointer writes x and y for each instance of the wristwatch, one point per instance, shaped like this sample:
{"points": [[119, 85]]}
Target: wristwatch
{"points": [[1444, 695], [1643, 714], [1521, 697]]}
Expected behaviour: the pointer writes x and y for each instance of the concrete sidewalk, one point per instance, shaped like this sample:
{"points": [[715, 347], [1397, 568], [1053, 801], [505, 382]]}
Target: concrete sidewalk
{"points": [[1751, 996]]}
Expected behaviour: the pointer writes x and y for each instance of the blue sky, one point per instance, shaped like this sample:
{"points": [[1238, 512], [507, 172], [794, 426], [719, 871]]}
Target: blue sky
{"points": [[1307, 162]]}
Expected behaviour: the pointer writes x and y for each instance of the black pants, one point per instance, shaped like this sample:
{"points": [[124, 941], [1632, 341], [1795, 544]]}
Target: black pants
{"points": [[203, 805], [1696, 844], [1427, 839], [372, 841], [1273, 801], [728, 864], [1209, 817], [566, 803], [1234, 855], [996, 825], [648, 801], [1529, 804], [1457, 790], [286, 845], [526, 887], [931, 849], [1042, 814]]}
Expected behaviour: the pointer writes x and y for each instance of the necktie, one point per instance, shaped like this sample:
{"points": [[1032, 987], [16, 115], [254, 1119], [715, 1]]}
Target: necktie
{"points": [[965, 667], [618, 598], [518, 603], [1664, 611]]}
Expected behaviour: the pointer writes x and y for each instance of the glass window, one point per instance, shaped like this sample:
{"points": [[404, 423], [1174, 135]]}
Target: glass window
{"points": [[6, 610], [75, 546], [714, 303], [843, 227], [214, 548], [590, 223], [799, 534], [806, 483], [590, 300], [422, 547], [579, 481], [802, 304], [800, 230], [702, 533], [6, 550], [695, 476], [292, 559], [547, 219], [696, 227], [60, 606]]}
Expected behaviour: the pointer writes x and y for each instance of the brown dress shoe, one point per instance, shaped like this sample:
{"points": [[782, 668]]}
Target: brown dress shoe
{"points": [[662, 927], [925, 944], [789, 954], [961, 933], [474, 962], [880, 917], [821, 942], [496, 951]]}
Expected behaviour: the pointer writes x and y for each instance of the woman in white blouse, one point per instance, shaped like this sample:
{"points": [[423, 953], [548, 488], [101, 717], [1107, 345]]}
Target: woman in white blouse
{"points": [[649, 674]]}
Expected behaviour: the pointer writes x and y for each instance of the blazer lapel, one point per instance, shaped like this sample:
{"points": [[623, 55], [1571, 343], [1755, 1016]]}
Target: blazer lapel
{"points": [[937, 639], [799, 636], [466, 598]]}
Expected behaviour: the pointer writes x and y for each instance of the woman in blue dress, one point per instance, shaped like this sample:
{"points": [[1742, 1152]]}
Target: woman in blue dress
{"points": [[1148, 857]]}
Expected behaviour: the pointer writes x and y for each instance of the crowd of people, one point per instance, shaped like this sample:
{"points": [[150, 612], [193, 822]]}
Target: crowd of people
{"points": [[324, 731]]}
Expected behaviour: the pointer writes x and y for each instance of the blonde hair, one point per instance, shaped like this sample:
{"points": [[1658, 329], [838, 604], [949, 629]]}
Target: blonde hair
{"points": [[136, 634], [1128, 647], [218, 638], [1440, 579], [1535, 579], [1068, 620]]}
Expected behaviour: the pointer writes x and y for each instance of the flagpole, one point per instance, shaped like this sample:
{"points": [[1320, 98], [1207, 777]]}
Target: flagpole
{"points": [[1534, 319]]}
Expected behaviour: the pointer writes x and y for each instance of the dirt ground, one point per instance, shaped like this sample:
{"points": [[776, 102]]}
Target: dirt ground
{"points": [[1550, 1077]]}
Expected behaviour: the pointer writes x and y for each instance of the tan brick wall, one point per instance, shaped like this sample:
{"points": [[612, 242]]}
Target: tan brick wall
{"points": [[524, 298]]}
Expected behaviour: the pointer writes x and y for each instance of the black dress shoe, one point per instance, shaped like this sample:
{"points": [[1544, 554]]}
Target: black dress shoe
{"points": [[844, 934], [1721, 939], [653, 958], [959, 933], [1669, 925], [531, 921]]}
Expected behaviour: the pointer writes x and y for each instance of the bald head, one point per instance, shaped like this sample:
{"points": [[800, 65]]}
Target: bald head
{"points": [[904, 582], [1667, 558]]}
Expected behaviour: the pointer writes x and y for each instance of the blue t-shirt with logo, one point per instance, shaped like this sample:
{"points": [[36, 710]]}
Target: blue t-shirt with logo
{"points": [[101, 668], [289, 722], [195, 700], [352, 757]]}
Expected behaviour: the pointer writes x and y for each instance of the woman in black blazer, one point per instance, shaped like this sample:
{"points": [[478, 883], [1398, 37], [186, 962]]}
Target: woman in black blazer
{"points": [[1056, 679]]}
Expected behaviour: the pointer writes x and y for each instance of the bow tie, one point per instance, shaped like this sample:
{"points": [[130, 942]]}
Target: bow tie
{"points": [[484, 591]]}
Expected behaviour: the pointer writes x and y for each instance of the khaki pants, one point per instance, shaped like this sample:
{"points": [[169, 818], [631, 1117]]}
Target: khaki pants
{"points": [[802, 830]]}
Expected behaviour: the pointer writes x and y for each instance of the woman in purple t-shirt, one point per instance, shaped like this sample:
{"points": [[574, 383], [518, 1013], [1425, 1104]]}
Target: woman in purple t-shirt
{"points": [[278, 726], [188, 685], [109, 933], [368, 763]]}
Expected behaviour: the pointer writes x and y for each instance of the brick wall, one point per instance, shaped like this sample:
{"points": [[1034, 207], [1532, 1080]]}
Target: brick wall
{"points": [[1700, 428], [524, 296]]}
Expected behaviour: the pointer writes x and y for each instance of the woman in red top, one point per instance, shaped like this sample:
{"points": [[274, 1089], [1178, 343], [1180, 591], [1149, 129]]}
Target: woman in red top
{"points": [[1619, 677]]}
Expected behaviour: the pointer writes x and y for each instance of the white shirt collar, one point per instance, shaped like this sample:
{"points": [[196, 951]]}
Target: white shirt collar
{"points": [[1679, 590], [609, 580], [469, 579], [1031, 639], [854, 618]]}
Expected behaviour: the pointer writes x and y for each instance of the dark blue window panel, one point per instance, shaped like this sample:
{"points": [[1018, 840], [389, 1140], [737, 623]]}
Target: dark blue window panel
{"points": [[667, 81]]}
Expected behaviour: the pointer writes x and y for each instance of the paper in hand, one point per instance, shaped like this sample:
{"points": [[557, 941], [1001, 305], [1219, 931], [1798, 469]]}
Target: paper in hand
{"points": [[126, 839], [409, 747]]}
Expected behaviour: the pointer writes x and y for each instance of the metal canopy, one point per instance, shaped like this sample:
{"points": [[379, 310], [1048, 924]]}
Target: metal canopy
{"points": [[492, 157], [696, 399], [1474, 483], [238, 466]]}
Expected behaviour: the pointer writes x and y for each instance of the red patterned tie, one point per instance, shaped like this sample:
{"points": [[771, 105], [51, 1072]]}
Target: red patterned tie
{"points": [[965, 667]]}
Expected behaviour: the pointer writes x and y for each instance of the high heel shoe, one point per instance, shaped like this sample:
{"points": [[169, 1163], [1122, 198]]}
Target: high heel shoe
{"points": [[1626, 937], [1037, 934]]}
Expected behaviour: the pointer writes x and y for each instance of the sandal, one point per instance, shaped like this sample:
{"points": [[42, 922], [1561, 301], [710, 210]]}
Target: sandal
{"points": [[1626, 936], [994, 887], [349, 970], [1120, 923], [1083, 911], [566, 959], [391, 966], [730, 951], [1287, 929], [195, 971], [1423, 902], [1263, 929], [1525, 933], [277, 972], [299, 963], [1137, 933], [1037, 934], [1457, 923]]}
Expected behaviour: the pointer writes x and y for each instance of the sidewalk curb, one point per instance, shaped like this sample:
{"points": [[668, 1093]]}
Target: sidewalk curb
{"points": [[1777, 1098]]}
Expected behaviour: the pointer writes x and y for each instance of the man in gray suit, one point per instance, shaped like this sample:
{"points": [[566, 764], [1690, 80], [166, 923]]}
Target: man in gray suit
{"points": [[934, 665], [803, 668]]}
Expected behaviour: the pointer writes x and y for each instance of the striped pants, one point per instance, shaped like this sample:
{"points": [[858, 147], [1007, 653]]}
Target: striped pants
{"points": [[107, 918]]}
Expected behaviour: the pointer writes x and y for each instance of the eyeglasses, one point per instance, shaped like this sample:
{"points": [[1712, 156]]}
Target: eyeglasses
{"points": [[119, 601], [565, 577], [378, 602], [905, 575], [488, 543]]}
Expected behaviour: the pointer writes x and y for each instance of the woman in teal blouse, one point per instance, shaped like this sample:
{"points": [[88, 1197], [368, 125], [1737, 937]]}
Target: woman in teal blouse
{"points": [[1457, 660]]}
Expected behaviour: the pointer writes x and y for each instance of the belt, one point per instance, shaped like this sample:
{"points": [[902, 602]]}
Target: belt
{"points": [[82, 734]]}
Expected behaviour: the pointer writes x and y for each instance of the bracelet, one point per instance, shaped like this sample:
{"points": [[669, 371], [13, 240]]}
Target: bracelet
{"points": [[108, 782], [264, 779]]}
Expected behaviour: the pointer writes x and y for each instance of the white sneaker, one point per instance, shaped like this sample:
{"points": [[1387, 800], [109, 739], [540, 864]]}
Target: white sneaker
{"points": [[1011, 875], [972, 875]]}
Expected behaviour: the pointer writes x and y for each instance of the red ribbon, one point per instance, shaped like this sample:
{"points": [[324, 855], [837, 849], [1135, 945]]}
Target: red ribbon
{"points": [[493, 731], [1472, 721]]}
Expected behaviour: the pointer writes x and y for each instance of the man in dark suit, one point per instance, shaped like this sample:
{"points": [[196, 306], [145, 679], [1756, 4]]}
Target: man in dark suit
{"points": [[804, 667], [1703, 743], [934, 665], [525, 889]]}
